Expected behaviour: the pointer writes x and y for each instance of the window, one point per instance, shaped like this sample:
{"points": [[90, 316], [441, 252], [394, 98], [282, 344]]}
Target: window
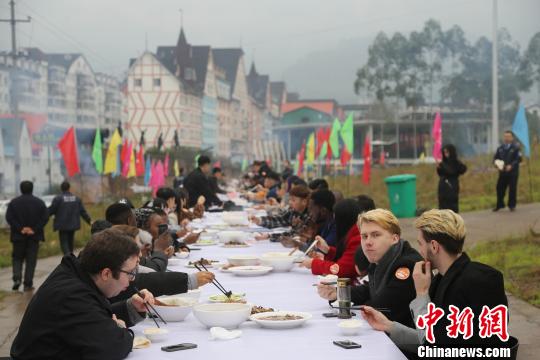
{"points": [[138, 82], [157, 82]]}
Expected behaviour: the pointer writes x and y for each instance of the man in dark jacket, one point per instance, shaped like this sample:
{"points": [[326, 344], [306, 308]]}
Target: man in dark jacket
{"points": [[509, 157], [459, 282], [197, 184], [70, 317], [67, 210], [27, 216], [215, 179], [392, 262]]}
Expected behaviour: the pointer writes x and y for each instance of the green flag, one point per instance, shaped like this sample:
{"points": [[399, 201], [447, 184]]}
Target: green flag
{"points": [[334, 138], [347, 134], [324, 150], [244, 164], [97, 155], [197, 160]]}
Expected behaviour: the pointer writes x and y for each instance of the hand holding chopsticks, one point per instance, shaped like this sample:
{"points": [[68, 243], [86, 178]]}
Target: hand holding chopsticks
{"points": [[216, 283], [143, 295], [361, 307]]}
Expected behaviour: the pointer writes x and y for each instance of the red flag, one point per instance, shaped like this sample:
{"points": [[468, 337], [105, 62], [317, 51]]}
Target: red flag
{"points": [[436, 133], [319, 136], [166, 165], [139, 162], [366, 173], [68, 148], [301, 156], [127, 149], [345, 156]]}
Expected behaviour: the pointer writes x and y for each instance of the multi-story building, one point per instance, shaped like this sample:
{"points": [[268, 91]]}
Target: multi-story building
{"points": [[232, 62], [224, 113], [108, 101]]}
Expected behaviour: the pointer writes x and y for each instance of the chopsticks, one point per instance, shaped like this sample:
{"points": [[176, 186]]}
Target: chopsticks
{"points": [[381, 309], [292, 251], [146, 305], [215, 281]]}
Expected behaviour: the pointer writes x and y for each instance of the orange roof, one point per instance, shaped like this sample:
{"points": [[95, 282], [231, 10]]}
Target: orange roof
{"points": [[329, 107]]}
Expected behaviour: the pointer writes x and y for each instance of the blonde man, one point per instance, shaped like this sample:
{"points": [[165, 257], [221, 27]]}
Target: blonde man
{"points": [[390, 271], [459, 282]]}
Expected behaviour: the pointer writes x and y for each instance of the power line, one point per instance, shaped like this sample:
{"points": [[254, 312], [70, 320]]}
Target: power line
{"points": [[61, 34]]}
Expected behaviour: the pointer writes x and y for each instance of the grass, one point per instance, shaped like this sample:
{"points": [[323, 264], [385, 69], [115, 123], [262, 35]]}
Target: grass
{"points": [[477, 186], [518, 259]]}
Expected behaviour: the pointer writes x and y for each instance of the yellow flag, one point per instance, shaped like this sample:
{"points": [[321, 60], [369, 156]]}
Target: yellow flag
{"points": [[111, 160], [310, 153], [132, 170], [176, 169]]}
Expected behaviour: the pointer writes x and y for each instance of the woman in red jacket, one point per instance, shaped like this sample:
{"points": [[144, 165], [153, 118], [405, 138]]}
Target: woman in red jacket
{"points": [[339, 260]]}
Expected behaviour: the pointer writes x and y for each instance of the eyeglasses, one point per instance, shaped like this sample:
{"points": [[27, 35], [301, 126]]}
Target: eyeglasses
{"points": [[131, 274]]}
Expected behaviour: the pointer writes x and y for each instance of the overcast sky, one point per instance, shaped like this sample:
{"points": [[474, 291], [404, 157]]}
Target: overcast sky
{"points": [[275, 32]]}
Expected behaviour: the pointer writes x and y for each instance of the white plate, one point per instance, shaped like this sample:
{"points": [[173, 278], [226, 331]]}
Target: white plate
{"points": [[220, 298], [213, 264], [250, 270], [281, 324], [244, 245], [206, 243]]}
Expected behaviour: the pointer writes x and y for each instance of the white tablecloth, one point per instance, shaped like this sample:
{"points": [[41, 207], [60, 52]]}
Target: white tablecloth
{"points": [[290, 291]]}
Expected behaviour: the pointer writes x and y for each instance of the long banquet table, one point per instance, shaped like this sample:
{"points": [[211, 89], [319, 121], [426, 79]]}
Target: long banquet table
{"points": [[289, 291]]}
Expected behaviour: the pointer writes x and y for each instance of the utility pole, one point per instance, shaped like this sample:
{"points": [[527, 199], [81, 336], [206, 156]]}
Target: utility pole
{"points": [[13, 92], [495, 83]]}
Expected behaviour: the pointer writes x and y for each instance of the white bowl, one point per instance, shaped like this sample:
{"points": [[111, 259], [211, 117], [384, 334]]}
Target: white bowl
{"points": [[243, 260], [156, 334], [278, 262], [191, 294], [226, 315], [228, 236], [174, 262], [252, 270], [328, 279], [207, 237], [182, 254], [350, 327], [178, 309], [235, 218]]}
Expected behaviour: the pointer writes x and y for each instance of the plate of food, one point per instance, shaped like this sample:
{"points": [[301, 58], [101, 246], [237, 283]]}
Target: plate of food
{"points": [[260, 309], [281, 319], [235, 244], [207, 263], [205, 242], [250, 270], [221, 298]]}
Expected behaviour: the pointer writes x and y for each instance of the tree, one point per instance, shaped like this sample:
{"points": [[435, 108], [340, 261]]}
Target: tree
{"points": [[531, 60], [391, 70]]}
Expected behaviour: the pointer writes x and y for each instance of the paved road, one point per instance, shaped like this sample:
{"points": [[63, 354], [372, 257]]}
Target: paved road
{"points": [[481, 226]]}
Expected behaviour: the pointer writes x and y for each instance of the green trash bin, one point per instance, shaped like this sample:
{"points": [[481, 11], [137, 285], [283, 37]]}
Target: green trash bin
{"points": [[402, 194]]}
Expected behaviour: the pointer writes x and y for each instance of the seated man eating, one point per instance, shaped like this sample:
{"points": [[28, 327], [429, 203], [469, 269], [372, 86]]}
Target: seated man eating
{"points": [[70, 317], [391, 260]]}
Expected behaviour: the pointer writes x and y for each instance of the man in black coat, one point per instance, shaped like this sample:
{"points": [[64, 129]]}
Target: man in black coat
{"points": [[67, 210], [197, 184], [70, 317], [392, 260], [27, 216], [215, 179], [459, 282], [509, 155]]}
